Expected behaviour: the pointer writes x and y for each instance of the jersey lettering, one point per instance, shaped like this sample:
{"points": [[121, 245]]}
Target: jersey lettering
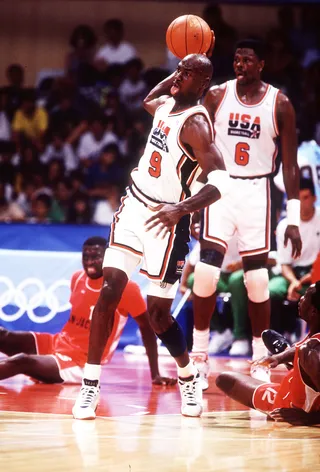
{"points": [[155, 164], [241, 156], [269, 394], [159, 136], [244, 125]]}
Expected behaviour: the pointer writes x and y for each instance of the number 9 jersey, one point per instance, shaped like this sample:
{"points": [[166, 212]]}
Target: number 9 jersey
{"points": [[246, 134], [167, 168]]}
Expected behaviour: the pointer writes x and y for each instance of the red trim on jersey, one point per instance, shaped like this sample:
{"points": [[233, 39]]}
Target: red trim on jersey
{"points": [[165, 260], [266, 248], [252, 104], [206, 234], [274, 114]]}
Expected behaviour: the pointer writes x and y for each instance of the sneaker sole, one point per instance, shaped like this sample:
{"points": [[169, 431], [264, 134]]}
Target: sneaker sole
{"points": [[89, 417], [193, 416]]}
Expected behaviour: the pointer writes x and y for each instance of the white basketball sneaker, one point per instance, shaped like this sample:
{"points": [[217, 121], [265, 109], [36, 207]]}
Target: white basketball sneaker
{"points": [[191, 396], [260, 372], [201, 361], [87, 401]]}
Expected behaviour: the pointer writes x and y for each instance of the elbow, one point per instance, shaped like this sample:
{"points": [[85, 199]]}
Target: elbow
{"points": [[146, 104]]}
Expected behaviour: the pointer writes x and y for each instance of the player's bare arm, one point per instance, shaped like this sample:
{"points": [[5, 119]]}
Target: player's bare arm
{"points": [[196, 134], [158, 95], [150, 343], [213, 99], [286, 119], [277, 359]]}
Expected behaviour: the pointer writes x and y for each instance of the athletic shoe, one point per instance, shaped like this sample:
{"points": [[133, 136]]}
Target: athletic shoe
{"points": [[276, 343], [260, 372], [201, 361], [221, 341], [191, 395], [240, 347], [87, 401]]}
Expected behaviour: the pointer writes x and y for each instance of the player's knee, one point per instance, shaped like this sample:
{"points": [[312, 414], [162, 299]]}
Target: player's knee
{"points": [[20, 361], [257, 283], [160, 319], [225, 381], [207, 273]]}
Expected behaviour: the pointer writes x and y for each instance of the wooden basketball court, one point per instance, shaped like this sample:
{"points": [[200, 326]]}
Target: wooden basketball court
{"points": [[139, 428]]}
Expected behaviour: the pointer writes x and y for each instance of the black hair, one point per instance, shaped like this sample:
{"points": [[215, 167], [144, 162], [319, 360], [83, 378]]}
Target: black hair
{"points": [[257, 45], [95, 241], [307, 184], [114, 23], [85, 32], [315, 297], [45, 199]]}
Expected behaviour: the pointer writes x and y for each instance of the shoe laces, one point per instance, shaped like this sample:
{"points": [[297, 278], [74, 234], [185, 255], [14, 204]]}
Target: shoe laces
{"points": [[87, 395], [189, 392]]}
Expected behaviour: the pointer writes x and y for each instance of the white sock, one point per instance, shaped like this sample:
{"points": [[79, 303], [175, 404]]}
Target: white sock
{"points": [[187, 371], [92, 371], [258, 348], [201, 340]]}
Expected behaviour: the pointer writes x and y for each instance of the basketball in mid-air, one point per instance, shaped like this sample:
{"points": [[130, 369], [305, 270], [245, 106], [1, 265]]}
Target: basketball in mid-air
{"points": [[188, 34]]}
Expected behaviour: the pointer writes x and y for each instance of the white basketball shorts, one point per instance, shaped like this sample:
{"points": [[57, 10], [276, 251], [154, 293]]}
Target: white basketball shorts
{"points": [[245, 209]]}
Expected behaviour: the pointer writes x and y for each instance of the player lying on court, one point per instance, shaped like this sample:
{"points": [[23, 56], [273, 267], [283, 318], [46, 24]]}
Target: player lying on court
{"points": [[296, 399], [179, 150], [61, 357]]}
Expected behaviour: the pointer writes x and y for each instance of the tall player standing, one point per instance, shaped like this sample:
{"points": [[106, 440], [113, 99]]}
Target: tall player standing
{"points": [[248, 116], [179, 148]]}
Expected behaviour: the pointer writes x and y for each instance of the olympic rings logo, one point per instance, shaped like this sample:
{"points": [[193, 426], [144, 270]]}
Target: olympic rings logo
{"points": [[44, 297]]}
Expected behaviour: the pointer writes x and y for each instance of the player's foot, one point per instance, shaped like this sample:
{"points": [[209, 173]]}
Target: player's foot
{"points": [[240, 347], [191, 395], [221, 341], [201, 361], [260, 372], [274, 342], [87, 401]]}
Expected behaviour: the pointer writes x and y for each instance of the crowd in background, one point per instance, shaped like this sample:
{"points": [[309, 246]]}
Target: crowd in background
{"points": [[68, 144]]}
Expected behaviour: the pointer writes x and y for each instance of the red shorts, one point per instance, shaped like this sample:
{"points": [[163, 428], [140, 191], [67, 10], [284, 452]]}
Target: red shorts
{"points": [[264, 396], [69, 370]]}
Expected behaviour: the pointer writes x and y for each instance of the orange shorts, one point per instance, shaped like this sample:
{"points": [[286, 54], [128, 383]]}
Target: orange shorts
{"points": [[69, 371], [264, 396]]}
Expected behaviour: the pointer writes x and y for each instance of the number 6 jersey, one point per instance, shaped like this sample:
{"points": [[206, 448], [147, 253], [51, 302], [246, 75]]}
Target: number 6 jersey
{"points": [[167, 169], [246, 134]]}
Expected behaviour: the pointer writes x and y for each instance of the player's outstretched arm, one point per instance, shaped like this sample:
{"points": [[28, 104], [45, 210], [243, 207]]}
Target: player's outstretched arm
{"points": [[158, 95], [150, 343], [286, 119], [196, 133]]}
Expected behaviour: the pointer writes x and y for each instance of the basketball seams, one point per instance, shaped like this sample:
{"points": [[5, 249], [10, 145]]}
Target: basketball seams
{"points": [[202, 36], [171, 31]]}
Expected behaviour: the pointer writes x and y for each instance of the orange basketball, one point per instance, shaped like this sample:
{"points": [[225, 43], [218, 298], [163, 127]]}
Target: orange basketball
{"points": [[188, 34]]}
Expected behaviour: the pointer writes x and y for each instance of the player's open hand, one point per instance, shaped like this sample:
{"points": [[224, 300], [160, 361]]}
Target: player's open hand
{"points": [[292, 232], [164, 381], [294, 416], [213, 41], [165, 218], [268, 361]]}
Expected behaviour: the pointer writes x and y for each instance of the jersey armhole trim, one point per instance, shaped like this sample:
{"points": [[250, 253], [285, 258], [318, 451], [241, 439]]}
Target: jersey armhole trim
{"points": [[274, 113], [222, 99], [180, 143]]}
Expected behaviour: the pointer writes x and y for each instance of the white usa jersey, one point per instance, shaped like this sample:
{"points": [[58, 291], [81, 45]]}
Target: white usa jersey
{"points": [[246, 134], [167, 170]]}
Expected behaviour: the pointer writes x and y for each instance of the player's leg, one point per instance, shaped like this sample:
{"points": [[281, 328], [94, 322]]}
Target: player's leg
{"points": [[257, 283], [15, 342], [239, 305], [239, 387], [42, 368], [170, 333]]}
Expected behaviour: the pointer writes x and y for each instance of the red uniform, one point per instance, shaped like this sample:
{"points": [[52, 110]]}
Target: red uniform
{"points": [[292, 392], [70, 347]]}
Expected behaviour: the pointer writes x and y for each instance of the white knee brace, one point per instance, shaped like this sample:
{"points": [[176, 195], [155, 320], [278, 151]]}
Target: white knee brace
{"points": [[206, 278], [257, 283]]}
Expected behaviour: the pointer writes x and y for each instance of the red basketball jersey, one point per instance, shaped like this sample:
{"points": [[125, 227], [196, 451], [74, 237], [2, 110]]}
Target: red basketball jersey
{"points": [[73, 340]]}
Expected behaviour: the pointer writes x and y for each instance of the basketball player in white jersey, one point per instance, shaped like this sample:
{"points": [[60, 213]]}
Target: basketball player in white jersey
{"points": [[248, 116], [179, 148]]}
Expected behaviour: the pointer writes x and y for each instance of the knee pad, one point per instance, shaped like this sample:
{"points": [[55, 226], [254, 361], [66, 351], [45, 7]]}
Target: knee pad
{"points": [[206, 278], [256, 282]]}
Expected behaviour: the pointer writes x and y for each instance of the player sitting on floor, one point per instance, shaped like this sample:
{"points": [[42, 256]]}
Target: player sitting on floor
{"points": [[296, 399], [61, 357]]}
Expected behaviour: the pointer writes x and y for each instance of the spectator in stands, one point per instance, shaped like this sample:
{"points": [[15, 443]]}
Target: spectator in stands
{"points": [[107, 170], [14, 91], [309, 163], [40, 209], [82, 42], [5, 125], [7, 169], [94, 140], [30, 122], [80, 210], [9, 211], [26, 196], [296, 273], [60, 150], [55, 172], [105, 209], [28, 166], [133, 89], [76, 179], [115, 50], [61, 201]]}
